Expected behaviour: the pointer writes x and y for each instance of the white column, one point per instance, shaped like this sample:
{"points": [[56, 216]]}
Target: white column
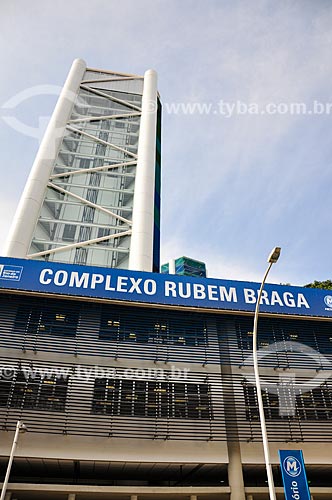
{"points": [[71, 496], [193, 497], [8, 495], [250, 497], [133, 497], [171, 266], [141, 247], [21, 232]]}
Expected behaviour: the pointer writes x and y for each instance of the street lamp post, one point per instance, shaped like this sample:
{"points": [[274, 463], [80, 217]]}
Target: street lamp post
{"points": [[273, 257], [20, 428]]}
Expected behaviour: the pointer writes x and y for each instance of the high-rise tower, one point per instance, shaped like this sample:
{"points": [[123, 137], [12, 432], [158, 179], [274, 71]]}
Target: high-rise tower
{"points": [[185, 266], [93, 194]]}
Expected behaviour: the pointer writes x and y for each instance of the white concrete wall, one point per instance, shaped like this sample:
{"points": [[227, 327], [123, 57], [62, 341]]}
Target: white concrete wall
{"points": [[111, 449]]}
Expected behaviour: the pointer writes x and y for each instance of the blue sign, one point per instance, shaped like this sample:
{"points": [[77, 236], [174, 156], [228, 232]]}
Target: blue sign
{"points": [[168, 289], [293, 475]]}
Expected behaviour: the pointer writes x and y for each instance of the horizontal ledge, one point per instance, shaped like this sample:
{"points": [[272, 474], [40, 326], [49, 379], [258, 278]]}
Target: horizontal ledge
{"points": [[75, 488]]}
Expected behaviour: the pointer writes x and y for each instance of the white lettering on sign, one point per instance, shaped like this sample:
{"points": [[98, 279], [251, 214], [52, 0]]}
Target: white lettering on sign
{"points": [[272, 298], [249, 296], [135, 285], [200, 291], [122, 284], [301, 301], [95, 281], [173, 289], [228, 295], [42, 278], [150, 287], [79, 281], [170, 289], [60, 278]]}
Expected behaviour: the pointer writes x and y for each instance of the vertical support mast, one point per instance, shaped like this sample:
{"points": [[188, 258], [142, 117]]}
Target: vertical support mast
{"points": [[19, 238], [141, 249]]}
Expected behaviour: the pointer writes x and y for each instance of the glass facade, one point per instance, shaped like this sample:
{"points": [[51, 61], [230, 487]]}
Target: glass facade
{"points": [[24, 390], [151, 399], [87, 211]]}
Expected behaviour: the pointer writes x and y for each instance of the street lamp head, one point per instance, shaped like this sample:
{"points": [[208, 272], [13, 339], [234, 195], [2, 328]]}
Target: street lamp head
{"points": [[274, 255]]}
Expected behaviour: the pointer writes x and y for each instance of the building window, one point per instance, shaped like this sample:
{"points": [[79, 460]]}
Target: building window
{"points": [[69, 232], [103, 231], [317, 335], [55, 319], [81, 255], [34, 392], [133, 327], [119, 124], [85, 162], [182, 332], [158, 399], [123, 327], [5, 388], [151, 399], [315, 404]]}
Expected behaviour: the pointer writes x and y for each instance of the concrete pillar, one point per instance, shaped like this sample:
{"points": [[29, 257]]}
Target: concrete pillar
{"points": [[8, 495], [133, 497], [235, 473], [141, 246], [71, 496], [171, 266], [250, 497], [21, 232], [193, 497]]}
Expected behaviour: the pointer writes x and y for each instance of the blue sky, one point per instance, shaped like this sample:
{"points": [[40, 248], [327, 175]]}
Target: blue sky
{"points": [[233, 187]]}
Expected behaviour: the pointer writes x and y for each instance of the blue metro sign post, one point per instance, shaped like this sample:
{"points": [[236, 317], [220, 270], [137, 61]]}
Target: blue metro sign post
{"points": [[293, 475]]}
